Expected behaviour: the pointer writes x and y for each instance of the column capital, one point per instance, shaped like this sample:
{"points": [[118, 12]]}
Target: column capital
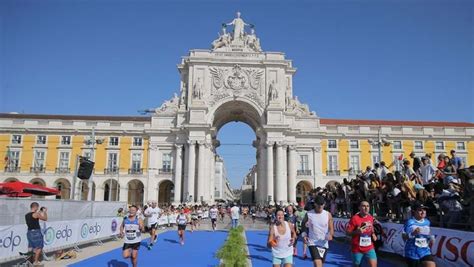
{"points": [[191, 142], [269, 144], [316, 149], [280, 144], [178, 146], [292, 147]]}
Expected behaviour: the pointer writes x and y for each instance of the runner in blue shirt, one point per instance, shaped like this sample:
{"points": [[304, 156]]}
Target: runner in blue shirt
{"points": [[418, 238]]}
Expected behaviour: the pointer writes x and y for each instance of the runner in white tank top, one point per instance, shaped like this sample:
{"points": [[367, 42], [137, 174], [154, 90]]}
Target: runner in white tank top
{"points": [[317, 230], [281, 239]]}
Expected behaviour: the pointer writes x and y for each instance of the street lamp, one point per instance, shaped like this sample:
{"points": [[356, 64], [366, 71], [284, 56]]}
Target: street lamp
{"points": [[379, 143], [91, 141]]}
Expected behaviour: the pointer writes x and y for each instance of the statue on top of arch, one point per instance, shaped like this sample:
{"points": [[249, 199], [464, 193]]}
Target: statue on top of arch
{"points": [[239, 37]]}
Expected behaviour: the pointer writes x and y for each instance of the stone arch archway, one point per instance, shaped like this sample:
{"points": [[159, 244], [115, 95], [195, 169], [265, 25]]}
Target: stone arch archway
{"points": [[11, 179], [135, 192], [302, 190], [38, 181], [64, 187], [165, 192], [229, 84], [111, 190]]}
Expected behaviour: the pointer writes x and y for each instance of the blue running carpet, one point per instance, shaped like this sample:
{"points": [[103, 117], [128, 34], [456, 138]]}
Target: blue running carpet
{"points": [[199, 250], [339, 254]]}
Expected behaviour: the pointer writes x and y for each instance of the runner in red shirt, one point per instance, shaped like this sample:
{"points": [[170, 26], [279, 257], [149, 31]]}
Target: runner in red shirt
{"points": [[361, 228]]}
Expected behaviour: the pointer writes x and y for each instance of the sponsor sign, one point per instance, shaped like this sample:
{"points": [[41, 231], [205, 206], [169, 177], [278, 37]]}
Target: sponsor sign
{"points": [[451, 247], [57, 234]]}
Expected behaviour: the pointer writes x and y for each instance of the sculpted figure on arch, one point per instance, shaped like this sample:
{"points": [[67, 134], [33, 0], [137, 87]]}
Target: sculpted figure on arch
{"points": [[239, 26]]}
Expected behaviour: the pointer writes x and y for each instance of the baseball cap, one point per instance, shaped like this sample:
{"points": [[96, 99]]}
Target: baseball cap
{"points": [[418, 205], [319, 200]]}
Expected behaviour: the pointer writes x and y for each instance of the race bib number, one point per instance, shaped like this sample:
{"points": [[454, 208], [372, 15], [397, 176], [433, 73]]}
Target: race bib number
{"points": [[365, 241], [321, 251], [130, 235], [421, 242]]}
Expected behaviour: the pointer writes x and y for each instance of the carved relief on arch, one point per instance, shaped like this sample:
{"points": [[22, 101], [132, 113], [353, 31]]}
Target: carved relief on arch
{"points": [[237, 78]]}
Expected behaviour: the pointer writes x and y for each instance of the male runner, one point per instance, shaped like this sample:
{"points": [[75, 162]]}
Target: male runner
{"points": [[213, 215], [152, 213], [300, 214], [181, 221], [317, 231], [418, 238], [361, 228], [131, 229]]}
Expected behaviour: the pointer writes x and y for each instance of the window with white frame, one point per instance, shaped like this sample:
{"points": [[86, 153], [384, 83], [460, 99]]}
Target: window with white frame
{"points": [[332, 161], [66, 140], [354, 144], [439, 145], [460, 146], [354, 163], [16, 139], [63, 160], [304, 163], [419, 145], [13, 160], [113, 141], [41, 140], [332, 144], [39, 159], [112, 162], [136, 161], [166, 164], [397, 145], [137, 141]]}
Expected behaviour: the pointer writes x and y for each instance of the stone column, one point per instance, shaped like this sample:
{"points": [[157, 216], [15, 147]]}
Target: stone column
{"points": [[191, 165], [292, 174], [261, 177], [99, 191], [258, 188], [178, 173], [281, 186], [212, 183], [317, 165], [269, 180], [123, 195], [201, 168]]}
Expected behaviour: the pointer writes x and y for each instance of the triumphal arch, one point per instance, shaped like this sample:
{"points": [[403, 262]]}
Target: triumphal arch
{"points": [[235, 80]]}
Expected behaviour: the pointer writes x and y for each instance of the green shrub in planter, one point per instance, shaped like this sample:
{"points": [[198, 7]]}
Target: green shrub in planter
{"points": [[233, 252]]}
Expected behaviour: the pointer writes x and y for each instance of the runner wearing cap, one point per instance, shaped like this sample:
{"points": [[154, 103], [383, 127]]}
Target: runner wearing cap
{"points": [[418, 238], [361, 228], [317, 230]]}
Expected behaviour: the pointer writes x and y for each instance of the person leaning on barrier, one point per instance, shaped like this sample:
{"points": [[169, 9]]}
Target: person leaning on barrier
{"points": [[34, 234]]}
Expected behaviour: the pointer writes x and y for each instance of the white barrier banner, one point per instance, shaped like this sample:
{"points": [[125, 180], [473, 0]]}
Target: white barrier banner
{"points": [[451, 247], [57, 234]]}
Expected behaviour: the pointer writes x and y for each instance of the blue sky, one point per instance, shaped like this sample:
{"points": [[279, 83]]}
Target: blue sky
{"points": [[394, 60]]}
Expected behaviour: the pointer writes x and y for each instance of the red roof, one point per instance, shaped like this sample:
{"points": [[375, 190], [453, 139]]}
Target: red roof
{"points": [[395, 123], [322, 121]]}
